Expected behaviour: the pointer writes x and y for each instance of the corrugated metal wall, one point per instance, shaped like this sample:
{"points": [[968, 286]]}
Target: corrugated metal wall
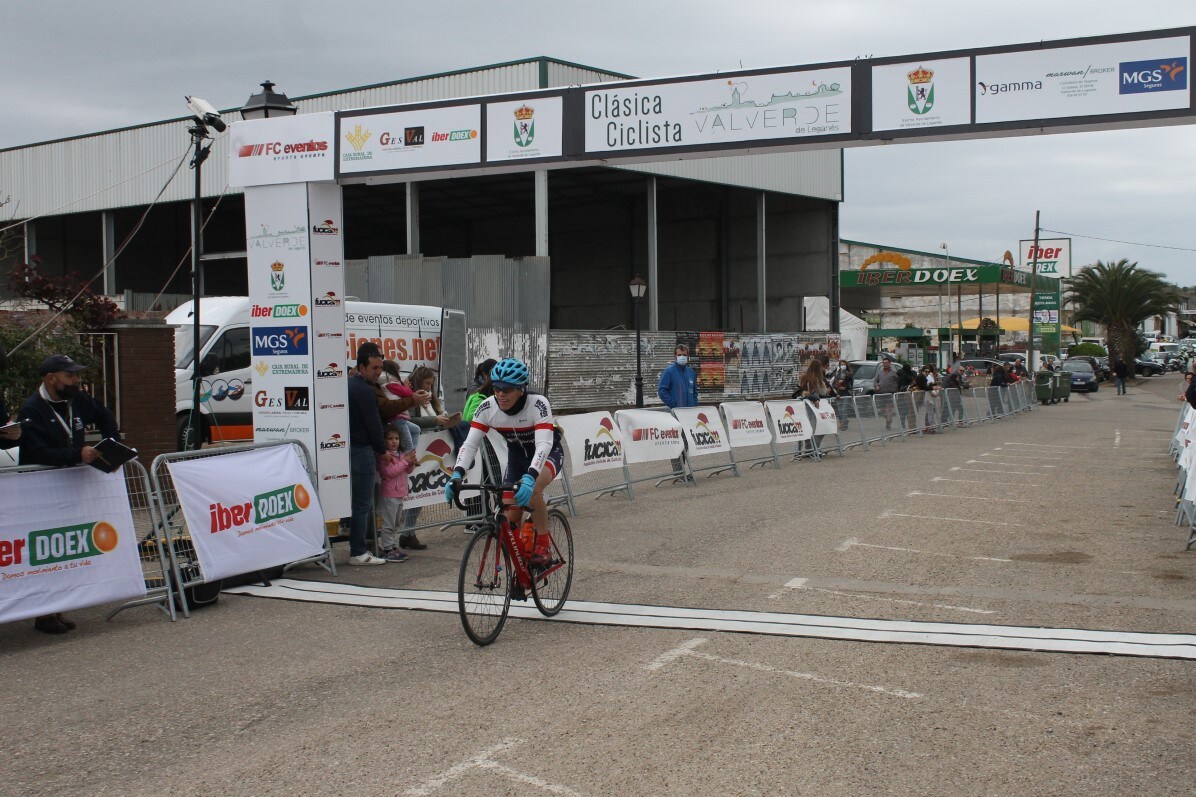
{"points": [[590, 369], [505, 300], [576, 75], [81, 174], [817, 173]]}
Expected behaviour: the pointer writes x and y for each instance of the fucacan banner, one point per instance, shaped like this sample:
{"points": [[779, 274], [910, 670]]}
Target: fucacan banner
{"points": [[249, 511], [703, 427], [650, 436], [67, 541], [790, 422], [747, 423], [594, 442], [435, 460]]}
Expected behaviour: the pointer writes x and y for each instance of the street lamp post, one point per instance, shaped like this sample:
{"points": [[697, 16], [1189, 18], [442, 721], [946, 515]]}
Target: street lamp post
{"points": [[267, 104], [638, 288]]}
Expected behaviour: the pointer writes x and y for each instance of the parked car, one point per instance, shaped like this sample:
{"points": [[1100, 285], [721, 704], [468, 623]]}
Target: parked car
{"points": [[1101, 370], [863, 372], [1083, 377], [1146, 366], [979, 366]]}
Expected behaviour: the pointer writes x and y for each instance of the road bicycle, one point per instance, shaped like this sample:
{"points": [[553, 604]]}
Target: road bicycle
{"points": [[496, 568]]}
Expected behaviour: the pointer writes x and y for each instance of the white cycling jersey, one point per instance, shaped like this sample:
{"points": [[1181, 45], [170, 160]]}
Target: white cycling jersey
{"points": [[530, 432]]}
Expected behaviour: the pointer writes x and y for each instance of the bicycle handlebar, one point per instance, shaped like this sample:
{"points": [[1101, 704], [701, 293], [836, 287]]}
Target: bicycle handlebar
{"points": [[463, 486]]}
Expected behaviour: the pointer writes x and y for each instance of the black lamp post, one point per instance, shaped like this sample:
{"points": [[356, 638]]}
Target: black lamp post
{"points": [[268, 104], [205, 120], [638, 288]]}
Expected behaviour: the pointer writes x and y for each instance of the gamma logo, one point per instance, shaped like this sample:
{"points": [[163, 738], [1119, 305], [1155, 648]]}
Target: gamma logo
{"points": [[272, 505], [599, 449], [63, 544], [1142, 77]]}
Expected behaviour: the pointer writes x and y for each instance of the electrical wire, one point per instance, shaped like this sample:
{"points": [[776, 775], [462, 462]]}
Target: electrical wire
{"points": [[1116, 241], [187, 254], [96, 193], [119, 250]]}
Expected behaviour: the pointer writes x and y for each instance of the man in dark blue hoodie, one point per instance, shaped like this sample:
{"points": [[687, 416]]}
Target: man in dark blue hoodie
{"points": [[678, 383]]}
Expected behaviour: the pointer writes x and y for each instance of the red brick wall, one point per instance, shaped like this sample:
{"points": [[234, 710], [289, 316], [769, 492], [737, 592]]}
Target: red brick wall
{"points": [[147, 394]]}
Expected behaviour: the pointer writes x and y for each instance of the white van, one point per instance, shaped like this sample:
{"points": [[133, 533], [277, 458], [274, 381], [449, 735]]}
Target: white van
{"points": [[1164, 348], [411, 334]]}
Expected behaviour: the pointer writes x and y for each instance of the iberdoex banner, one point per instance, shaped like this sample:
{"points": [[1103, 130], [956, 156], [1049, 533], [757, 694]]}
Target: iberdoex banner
{"points": [[650, 436], [249, 511], [594, 442], [77, 549]]}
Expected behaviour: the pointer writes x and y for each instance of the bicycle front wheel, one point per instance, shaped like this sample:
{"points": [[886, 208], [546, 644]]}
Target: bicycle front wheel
{"points": [[484, 587], [552, 580]]}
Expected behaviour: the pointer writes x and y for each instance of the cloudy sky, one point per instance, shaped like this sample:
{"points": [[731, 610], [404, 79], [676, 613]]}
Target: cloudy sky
{"points": [[74, 66]]}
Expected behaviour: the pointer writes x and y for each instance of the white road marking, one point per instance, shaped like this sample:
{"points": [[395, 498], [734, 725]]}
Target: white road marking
{"points": [[1063, 640], [1009, 464], [484, 760], [1007, 453], [690, 649], [895, 600], [981, 481], [1014, 472], [1044, 445], [888, 514], [968, 497], [793, 583], [1116, 438], [852, 542]]}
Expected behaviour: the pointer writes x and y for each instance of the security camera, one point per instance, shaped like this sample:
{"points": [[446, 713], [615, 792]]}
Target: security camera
{"points": [[206, 114]]}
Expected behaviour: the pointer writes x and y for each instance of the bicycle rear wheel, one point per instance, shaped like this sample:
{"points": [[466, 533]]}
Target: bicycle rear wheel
{"points": [[484, 587], [551, 583]]}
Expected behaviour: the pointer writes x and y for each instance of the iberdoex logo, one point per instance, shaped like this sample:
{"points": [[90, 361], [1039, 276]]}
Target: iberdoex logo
{"points": [[264, 507], [1140, 77], [277, 149], [278, 311], [455, 135], [63, 544], [279, 341]]}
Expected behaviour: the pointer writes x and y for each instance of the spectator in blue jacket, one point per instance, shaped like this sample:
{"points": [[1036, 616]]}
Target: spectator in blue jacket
{"points": [[678, 382]]}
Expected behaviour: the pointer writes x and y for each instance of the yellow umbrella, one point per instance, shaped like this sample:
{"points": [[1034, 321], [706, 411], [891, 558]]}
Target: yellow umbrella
{"points": [[1013, 324]]}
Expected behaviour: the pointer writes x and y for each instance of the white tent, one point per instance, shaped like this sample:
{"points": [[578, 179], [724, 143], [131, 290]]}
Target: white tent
{"points": [[853, 331]]}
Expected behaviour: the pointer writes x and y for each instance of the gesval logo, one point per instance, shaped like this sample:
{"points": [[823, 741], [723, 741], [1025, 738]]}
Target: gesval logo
{"points": [[62, 544], [597, 449], [264, 507]]}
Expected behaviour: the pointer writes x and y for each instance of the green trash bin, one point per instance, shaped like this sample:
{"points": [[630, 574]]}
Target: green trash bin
{"points": [[1062, 387], [1044, 390]]}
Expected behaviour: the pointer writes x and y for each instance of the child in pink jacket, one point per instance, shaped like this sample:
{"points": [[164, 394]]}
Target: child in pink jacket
{"points": [[393, 467]]}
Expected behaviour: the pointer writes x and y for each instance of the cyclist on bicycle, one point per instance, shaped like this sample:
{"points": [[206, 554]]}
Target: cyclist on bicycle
{"points": [[534, 452]]}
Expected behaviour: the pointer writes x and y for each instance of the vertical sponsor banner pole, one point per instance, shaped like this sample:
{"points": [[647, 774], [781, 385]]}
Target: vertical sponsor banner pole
{"points": [[330, 393]]}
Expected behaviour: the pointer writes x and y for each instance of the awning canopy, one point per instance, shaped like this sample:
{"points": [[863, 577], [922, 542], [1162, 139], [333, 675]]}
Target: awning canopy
{"points": [[1008, 324]]}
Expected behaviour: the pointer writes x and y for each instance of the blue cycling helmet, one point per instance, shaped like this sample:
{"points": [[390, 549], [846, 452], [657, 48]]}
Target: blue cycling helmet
{"points": [[510, 371]]}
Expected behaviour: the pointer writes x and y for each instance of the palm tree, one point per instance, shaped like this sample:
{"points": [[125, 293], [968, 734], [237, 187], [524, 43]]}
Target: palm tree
{"points": [[1120, 295]]}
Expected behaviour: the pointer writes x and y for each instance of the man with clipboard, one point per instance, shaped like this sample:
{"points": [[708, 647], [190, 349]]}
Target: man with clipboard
{"points": [[52, 424]]}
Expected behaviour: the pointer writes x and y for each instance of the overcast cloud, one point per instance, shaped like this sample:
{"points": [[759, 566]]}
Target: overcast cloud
{"points": [[77, 67]]}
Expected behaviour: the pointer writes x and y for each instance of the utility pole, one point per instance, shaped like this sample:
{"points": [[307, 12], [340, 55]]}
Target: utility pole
{"points": [[1033, 280]]}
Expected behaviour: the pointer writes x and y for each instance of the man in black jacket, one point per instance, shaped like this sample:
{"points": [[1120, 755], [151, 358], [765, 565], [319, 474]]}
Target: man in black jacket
{"points": [[52, 424], [53, 418]]}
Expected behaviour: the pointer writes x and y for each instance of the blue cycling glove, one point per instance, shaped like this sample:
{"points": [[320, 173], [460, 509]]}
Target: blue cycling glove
{"points": [[523, 494], [450, 488]]}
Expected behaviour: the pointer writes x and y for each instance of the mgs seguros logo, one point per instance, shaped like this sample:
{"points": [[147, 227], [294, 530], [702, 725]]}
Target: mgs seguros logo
{"points": [[1141, 77], [63, 544], [279, 341], [603, 447]]}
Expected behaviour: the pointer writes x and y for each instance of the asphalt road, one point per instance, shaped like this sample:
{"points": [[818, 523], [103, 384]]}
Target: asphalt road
{"points": [[1059, 518]]}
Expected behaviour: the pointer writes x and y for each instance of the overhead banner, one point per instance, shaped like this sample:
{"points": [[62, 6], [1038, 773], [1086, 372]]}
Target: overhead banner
{"points": [[78, 550], [249, 511], [435, 460], [747, 424], [1053, 256], [703, 428], [532, 128], [922, 94], [593, 440], [287, 149], [422, 138], [1089, 80], [789, 420], [650, 436], [721, 110]]}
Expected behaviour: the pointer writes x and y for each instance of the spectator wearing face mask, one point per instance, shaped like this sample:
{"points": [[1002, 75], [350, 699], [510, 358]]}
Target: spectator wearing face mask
{"points": [[678, 383]]}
